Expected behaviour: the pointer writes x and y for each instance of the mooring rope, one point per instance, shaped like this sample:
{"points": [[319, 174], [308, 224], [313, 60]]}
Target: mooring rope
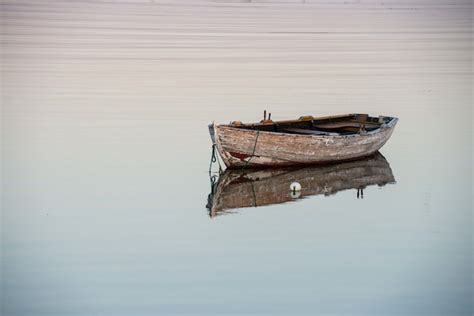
{"points": [[254, 196], [214, 158], [253, 152]]}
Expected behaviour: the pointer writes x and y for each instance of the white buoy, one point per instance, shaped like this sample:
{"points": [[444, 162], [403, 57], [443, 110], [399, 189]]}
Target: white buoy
{"points": [[295, 194], [295, 187]]}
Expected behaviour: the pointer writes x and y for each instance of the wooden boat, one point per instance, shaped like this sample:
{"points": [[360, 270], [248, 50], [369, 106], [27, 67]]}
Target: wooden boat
{"points": [[307, 140], [241, 188]]}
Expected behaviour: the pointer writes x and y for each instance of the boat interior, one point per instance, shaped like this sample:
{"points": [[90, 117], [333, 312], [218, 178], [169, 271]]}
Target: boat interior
{"points": [[330, 125]]}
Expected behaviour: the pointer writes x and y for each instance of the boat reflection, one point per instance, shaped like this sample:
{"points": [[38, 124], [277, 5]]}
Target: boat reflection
{"points": [[239, 188]]}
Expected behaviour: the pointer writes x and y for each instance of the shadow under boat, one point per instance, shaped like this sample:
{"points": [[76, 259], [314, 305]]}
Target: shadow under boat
{"points": [[241, 188]]}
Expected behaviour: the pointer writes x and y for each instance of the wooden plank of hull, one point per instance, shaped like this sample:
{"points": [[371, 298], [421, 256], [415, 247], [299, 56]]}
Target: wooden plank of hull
{"points": [[236, 146]]}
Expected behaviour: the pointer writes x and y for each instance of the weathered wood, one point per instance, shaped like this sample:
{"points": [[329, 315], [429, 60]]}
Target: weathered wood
{"points": [[240, 147], [308, 131], [252, 188], [346, 124]]}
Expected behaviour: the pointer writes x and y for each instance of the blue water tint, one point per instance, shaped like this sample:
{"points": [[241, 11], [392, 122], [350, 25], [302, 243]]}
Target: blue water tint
{"points": [[105, 156]]}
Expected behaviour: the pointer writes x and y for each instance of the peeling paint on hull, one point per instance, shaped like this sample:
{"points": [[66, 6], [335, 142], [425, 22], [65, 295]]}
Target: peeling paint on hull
{"points": [[244, 147]]}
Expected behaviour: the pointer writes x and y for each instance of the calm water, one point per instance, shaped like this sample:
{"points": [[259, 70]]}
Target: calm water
{"points": [[105, 154]]}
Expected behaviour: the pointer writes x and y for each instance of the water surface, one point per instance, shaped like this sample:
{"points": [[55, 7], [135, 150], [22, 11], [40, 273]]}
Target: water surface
{"points": [[105, 155]]}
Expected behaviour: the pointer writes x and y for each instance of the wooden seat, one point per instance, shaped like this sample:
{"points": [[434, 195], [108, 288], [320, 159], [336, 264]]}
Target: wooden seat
{"points": [[346, 124], [309, 131]]}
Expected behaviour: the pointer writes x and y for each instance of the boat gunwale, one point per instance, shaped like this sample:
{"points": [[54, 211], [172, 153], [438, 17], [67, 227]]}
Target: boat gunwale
{"points": [[393, 121]]}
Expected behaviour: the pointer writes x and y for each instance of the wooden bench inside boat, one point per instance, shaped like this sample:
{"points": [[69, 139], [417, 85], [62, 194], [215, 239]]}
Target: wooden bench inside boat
{"points": [[308, 131], [308, 125], [335, 125]]}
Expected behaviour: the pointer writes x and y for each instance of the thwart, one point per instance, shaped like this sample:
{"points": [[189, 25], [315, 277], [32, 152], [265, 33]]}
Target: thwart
{"points": [[304, 141]]}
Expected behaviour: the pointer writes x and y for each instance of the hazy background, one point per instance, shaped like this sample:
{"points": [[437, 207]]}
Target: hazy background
{"points": [[105, 152]]}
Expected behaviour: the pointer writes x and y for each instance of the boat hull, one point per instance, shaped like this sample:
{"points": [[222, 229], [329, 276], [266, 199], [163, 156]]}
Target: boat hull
{"points": [[251, 148]]}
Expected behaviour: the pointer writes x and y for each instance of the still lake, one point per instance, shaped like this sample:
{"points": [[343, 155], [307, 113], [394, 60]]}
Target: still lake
{"points": [[105, 156]]}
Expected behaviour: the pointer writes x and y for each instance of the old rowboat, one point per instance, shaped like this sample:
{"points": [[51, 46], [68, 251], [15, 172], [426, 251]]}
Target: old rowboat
{"points": [[307, 140]]}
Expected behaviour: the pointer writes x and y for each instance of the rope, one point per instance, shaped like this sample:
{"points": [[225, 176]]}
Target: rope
{"points": [[214, 158], [254, 196], [214, 181], [253, 152]]}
